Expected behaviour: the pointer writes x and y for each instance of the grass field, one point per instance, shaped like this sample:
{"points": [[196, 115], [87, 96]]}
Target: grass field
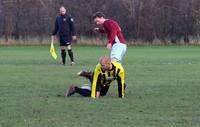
{"points": [[163, 89]]}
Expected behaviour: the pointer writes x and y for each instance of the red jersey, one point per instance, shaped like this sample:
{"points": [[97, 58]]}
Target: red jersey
{"points": [[112, 29]]}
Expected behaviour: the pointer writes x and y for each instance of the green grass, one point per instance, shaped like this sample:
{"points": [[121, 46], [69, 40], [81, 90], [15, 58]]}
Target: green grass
{"points": [[163, 89]]}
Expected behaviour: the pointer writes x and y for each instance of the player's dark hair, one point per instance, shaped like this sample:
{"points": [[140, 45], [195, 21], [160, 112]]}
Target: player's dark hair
{"points": [[98, 14]]}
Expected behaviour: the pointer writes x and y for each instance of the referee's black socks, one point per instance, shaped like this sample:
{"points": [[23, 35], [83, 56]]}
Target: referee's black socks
{"points": [[70, 53], [63, 54]]}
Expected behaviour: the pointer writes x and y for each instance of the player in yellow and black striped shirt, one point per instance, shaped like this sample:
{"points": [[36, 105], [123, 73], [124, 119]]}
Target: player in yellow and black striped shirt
{"points": [[104, 73]]}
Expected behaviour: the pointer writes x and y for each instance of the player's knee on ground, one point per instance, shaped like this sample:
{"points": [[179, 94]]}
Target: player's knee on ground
{"points": [[104, 90], [83, 92]]}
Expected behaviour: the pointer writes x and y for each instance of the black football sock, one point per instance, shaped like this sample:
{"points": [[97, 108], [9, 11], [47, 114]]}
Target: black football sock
{"points": [[63, 54], [83, 92], [70, 53]]}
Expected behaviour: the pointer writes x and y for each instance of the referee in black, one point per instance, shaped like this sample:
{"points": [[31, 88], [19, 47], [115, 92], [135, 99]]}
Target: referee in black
{"points": [[64, 26]]}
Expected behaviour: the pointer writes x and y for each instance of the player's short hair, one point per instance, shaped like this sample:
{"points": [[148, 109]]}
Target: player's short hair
{"points": [[98, 14]]}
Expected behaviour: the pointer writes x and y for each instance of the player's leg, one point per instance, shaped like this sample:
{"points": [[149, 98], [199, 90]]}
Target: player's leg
{"points": [[86, 74], [84, 90], [104, 90], [63, 54], [118, 51], [63, 49], [70, 53]]}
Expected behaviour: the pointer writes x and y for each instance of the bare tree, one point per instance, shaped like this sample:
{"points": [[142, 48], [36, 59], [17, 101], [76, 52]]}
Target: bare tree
{"points": [[1, 17], [140, 19]]}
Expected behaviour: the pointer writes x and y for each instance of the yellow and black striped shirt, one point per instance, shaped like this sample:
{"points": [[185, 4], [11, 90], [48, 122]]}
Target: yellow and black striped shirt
{"points": [[106, 77]]}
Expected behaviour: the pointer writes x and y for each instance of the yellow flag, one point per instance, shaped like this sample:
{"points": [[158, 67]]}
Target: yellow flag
{"points": [[52, 51]]}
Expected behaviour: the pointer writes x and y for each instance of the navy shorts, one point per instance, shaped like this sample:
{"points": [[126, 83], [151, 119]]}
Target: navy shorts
{"points": [[64, 41]]}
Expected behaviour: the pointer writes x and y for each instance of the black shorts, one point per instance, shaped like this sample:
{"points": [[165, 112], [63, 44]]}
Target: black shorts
{"points": [[103, 89], [65, 41]]}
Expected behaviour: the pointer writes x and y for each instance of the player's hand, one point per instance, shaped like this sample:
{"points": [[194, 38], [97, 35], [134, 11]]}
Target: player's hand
{"points": [[109, 46], [97, 94], [74, 38]]}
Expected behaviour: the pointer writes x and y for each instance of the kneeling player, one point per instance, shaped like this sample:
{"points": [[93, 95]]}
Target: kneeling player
{"points": [[105, 72]]}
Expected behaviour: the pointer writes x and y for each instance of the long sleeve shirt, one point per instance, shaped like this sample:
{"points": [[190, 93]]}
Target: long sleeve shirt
{"points": [[112, 29], [103, 78], [64, 26]]}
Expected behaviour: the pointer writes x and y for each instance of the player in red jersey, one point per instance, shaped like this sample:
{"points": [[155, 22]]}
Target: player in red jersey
{"points": [[116, 41]]}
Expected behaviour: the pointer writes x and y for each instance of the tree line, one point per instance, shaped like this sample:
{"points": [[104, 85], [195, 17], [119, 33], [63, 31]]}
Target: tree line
{"points": [[146, 20]]}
